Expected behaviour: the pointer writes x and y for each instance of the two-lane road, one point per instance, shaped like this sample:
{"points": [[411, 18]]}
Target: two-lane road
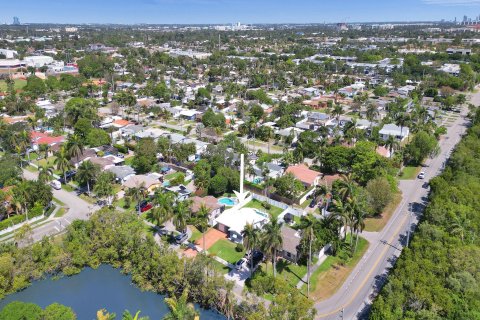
{"points": [[353, 299], [78, 209]]}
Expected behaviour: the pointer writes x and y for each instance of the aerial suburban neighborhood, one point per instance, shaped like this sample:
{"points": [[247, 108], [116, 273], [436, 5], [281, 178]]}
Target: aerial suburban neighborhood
{"points": [[240, 171]]}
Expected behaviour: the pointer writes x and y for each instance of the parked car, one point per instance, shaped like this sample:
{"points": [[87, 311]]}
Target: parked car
{"points": [[181, 238], [257, 257], [55, 184], [421, 175], [143, 206], [240, 264], [312, 203]]}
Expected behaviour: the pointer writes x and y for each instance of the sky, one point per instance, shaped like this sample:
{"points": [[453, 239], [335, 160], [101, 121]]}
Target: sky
{"points": [[229, 11]]}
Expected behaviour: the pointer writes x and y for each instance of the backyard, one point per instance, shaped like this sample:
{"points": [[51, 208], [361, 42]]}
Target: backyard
{"points": [[261, 206], [18, 84]]}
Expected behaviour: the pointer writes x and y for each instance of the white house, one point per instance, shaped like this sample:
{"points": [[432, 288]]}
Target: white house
{"points": [[400, 133]]}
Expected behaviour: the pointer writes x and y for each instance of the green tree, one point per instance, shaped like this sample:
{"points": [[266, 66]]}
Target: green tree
{"points": [[98, 137], [379, 194], [202, 173], [87, 173], [62, 161], [57, 311], [17, 310], [272, 240], [104, 186], [75, 147], [251, 238], [179, 307], [288, 186], [145, 155]]}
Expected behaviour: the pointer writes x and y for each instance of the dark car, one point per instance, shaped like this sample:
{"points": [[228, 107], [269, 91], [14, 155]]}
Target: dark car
{"points": [[257, 257], [181, 238], [312, 203], [240, 264]]}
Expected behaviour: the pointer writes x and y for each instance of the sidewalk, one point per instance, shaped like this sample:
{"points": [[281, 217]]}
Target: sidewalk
{"points": [[313, 269]]}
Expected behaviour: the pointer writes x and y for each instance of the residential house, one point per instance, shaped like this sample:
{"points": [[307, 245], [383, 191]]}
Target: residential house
{"points": [[211, 204], [182, 192], [400, 133], [305, 175], [149, 182], [290, 243], [122, 173]]}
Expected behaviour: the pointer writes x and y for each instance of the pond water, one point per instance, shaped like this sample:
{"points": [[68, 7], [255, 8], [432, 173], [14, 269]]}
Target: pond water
{"points": [[92, 290]]}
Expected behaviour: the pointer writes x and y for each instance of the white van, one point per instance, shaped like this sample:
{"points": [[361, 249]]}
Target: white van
{"points": [[55, 184]]}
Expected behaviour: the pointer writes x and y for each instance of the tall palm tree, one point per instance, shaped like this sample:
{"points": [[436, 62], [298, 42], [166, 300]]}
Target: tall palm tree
{"points": [[308, 234], [359, 224], [75, 146], [460, 227], [62, 161], [182, 213], [180, 309], [347, 186], [45, 173], [45, 148], [391, 144], [272, 239], [251, 236], [163, 203], [86, 174], [201, 222]]}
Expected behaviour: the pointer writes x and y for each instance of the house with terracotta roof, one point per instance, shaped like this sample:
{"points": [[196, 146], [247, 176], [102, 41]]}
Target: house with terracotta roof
{"points": [[39, 138], [305, 175]]}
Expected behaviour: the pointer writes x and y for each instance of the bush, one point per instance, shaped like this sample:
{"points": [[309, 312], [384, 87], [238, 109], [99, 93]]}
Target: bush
{"points": [[266, 205], [12, 221], [121, 148], [239, 247]]}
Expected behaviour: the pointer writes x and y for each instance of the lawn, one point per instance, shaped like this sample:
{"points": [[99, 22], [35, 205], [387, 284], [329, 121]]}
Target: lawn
{"points": [[333, 272], [60, 213], [121, 203], [219, 267], [226, 250], [409, 173], [172, 176], [196, 234], [290, 272], [377, 224], [18, 84], [274, 211]]}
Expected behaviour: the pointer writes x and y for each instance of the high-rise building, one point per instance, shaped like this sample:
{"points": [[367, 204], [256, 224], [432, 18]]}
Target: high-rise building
{"points": [[465, 18], [16, 21]]}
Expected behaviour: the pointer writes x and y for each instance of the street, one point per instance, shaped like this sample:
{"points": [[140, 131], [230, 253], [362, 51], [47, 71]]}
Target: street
{"points": [[352, 300], [78, 209]]}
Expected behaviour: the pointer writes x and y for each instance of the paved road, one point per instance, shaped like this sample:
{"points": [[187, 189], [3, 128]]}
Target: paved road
{"points": [[78, 209], [354, 297]]}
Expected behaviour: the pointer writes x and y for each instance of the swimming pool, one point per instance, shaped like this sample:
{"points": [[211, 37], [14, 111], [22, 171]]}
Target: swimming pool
{"points": [[257, 180], [229, 202]]}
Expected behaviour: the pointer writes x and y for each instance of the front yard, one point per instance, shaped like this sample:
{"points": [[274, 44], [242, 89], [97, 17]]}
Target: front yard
{"points": [[409, 173], [226, 250]]}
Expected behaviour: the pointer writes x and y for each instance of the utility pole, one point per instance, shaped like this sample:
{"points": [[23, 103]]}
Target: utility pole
{"points": [[409, 222]]}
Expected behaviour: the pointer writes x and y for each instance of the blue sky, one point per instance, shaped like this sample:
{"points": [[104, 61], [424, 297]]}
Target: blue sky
{"points": [[226, 11]]}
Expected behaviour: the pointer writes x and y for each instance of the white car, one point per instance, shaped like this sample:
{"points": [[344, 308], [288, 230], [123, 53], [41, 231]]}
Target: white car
{"points": [[421, 175], [55, 184]]}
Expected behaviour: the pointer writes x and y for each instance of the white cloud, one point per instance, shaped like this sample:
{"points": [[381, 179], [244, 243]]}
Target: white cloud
{"points": [[453, 2]]}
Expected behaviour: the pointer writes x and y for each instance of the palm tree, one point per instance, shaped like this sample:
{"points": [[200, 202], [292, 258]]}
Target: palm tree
{"points": [[272, 240], [460, 227], [164, 206], [75, 146], [87, 172], [104, 187], [62, 162], [45, 173], [347, 186], [126, 315], [180, 309], [308, 234], [201, 222], [136, 194], [182, 213], [359, 224], [337, 111], [45, 148], [392, 144], [251, 237]]}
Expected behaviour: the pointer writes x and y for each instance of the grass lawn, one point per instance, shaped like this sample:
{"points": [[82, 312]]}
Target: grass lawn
{"points": [[128, 161], [58, 202], [219, 267], [409, 173], [226, 250], [286, 270], [68, 187], [274, 211], [377, 224], [18, 84], [173, 175], [121, 203], [196, 234], [87, 198], [330, 276], [60, 213]]}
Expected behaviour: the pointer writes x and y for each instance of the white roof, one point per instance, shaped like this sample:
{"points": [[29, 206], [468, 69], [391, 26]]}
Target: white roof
{"points": [[237, 219], [188, 113]]}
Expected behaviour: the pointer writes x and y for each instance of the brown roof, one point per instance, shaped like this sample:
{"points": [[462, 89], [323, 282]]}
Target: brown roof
{"points": [[210, 202], [102, 162], [290, 239], [303, 173]]}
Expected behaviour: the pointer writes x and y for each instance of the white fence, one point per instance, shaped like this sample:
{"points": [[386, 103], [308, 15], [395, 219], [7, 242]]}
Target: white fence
{"points": [[286, 208]]}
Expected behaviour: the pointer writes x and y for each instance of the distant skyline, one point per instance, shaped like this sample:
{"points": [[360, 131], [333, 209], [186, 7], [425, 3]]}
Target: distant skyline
{"points": [[229, 11]]}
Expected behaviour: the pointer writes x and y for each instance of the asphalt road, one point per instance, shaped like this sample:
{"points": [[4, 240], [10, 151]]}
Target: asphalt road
{"points": [[78, 209], [352, 300]]}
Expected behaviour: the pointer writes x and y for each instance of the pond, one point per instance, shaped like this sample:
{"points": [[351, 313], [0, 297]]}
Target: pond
{"points": [[95, 289]]}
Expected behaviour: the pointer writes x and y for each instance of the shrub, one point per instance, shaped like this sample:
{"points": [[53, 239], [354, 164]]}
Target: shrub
{"points": [[239, 247], [121, 148]]}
